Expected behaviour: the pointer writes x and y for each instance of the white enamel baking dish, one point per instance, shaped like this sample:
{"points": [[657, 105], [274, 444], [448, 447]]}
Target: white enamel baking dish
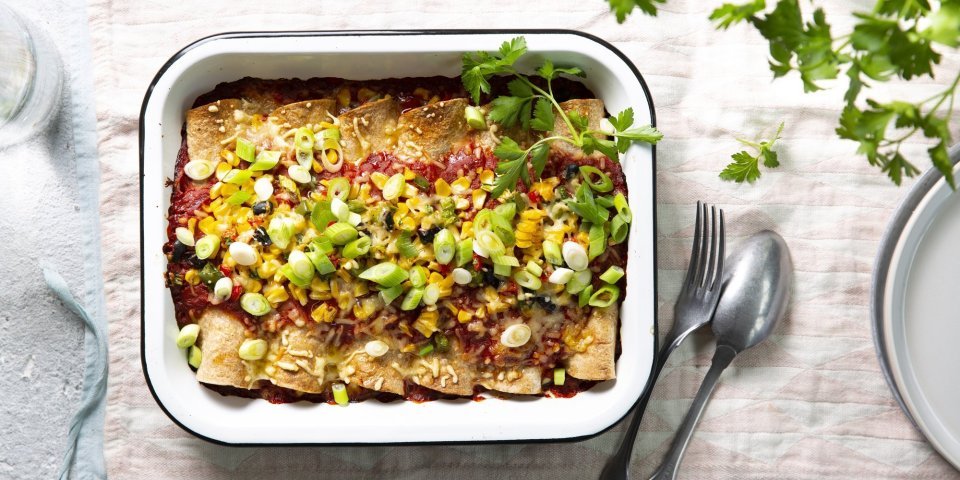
{"points": [[372, 55]]}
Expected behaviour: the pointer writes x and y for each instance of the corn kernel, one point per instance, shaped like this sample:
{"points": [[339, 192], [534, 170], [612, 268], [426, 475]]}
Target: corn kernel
{"points": [[409, 174], [461, 185], [408, 348], [222, 169], [466, 230], [215, 190], [275, 293], [426, 323], [317, 166], [408, 223], [379, 179], [479, 197], [464, 316], [191, 276], [486, 177], [442, 187], [323, 313], [208, 225], [298, 293]]}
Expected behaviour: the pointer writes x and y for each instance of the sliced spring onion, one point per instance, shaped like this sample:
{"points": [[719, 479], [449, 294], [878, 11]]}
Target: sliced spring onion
{"points": [[305, 157], [598, 240], [303, 138], [237, 177], [354, 219], [597, 180], [605, 296], [508, 260], [506, 210], [551, 251], [302, 282], [321, 262], [238, 198], [405, 245], [418, 276], [559, 376], [321, 216], [340, 233], [329, 166], [605, 201], [299, 174], [198, 169], [263, 187], [185, 236], [254, 303], [390, 294], [322, 245], [188, 335], [426, 350], [623, 208], [560, 276], [464, 252], [338, 188], [266, 160], [618, 230], [223, 288], [575, 256], [475, 118], [207, 247], [579, 281], [412, 300], [253, 349], [504, 229], [340, 394], [585, 206], [281, 229], [534, 269], [612, 275], [502, 270], [444, 246], [246, 150], [584, 298], [210, 275], [526, 280], [357, 247], [386, 274], [301, 264], [515, 335], [376, 348], [421, 183], [431, 293], [394, 187], [488, 244], [461, 276], [243, 253], [194, 357], [339, 209]]}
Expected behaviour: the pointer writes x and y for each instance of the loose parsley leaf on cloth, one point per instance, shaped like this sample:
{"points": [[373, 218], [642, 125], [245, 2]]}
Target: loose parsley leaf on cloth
{"points": [[534, 107], [622, 8], [746, 167]]}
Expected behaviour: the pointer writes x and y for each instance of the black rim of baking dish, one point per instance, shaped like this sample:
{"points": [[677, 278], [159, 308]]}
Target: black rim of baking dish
{"points": [[353, 33]]}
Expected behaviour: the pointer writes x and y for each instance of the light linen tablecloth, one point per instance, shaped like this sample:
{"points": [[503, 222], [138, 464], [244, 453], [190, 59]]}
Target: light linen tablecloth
{"points": [[809, 403]]}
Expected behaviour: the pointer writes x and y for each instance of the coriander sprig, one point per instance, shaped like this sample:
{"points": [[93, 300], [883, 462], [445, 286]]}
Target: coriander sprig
{"points": [[746, 166], [536, 108]]}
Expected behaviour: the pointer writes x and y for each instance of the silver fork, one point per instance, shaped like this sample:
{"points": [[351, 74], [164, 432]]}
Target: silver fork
{"points": [[694, 308]]}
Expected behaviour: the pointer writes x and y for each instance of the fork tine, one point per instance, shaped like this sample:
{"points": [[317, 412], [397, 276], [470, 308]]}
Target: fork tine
{"points": [[709, 279], [718, 279], [702, 256], [694, 252]]}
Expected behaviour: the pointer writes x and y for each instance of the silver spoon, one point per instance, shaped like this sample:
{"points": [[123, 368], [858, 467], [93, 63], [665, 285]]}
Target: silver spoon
{"points": [[754, 297]]}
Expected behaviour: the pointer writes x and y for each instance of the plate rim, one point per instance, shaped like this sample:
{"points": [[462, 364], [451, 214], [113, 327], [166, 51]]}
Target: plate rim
{"points": [[403, 32], [897, 228]]}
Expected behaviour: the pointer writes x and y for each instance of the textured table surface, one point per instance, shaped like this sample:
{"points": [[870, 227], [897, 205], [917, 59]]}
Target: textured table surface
{"points": [[809, 403]]}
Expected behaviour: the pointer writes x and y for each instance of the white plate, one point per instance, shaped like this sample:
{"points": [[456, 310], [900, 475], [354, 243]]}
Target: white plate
{"points": [[914, 306], [372, 55]]}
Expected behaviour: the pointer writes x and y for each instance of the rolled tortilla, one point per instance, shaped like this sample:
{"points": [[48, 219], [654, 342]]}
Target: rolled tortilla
{"points": [[525, 380], [374, 373], [208, 125], [597, 363], [368, 128], [445, 373], [301, 364], [433, 130], [221, 335], [309, 112]]}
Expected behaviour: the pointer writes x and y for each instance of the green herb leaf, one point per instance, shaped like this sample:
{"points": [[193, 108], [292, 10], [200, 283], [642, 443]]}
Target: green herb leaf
{"points": [[543, 118], [746, 167], [512, 167], [478, 67], [508, 111], [729, 14], [622, 8]]}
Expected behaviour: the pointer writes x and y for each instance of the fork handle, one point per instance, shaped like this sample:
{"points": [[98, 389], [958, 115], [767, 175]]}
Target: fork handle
{"points": [[721, 359]]}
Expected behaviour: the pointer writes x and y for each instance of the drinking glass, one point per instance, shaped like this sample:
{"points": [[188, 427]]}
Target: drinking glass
{"points": [[31, 77]]}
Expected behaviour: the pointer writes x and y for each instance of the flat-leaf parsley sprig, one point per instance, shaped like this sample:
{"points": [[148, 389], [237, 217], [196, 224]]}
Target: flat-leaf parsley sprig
{"points": [[745, 166], [536, 108]]}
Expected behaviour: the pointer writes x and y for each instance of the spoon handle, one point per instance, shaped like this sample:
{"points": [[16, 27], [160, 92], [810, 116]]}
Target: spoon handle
{"points": [[721, 359]]}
